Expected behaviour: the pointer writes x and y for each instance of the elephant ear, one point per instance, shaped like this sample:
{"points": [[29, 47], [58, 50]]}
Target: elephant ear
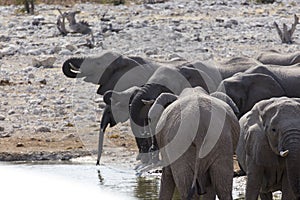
{"points": [[123, 97], [224, 97], [257, 145], [259, 87], [198, 77]]}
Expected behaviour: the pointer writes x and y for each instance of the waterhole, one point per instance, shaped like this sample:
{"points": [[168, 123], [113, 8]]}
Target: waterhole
{"points": [[121, 182]]}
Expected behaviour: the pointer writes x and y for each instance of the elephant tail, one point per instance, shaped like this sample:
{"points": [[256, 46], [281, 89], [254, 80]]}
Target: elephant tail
{"points": [[196, 186]]}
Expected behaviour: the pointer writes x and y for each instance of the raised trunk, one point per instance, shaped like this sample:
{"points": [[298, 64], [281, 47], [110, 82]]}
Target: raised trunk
{"points": [[293, 163], [71, 67], [138, 110]]}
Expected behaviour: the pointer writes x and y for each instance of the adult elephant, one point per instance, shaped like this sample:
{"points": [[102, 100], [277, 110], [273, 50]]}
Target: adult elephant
{"points": [[259, 83], [113, 71], [273, 57], [118, 103], [197, 135], [175, 80], [269, 148]]}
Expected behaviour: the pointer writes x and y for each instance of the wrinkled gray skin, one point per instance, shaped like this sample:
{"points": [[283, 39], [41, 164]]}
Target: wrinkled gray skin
{"points": [[259, 83], [112, 115], [173, 80], [273, 57], [269, 148], [112, 71], [197, 159]]}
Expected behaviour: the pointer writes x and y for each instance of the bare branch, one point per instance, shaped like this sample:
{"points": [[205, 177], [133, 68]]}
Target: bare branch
{"points": [[292, 30], [285, 34], [61, 23]]}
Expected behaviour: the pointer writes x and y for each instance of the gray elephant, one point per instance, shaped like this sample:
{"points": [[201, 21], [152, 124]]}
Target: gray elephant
{"points": [[173, 80], [259, 83], [273, 57], [269, 148], [176, 79], [118, 104], [114, 114], [196, 134], [113, 71]]}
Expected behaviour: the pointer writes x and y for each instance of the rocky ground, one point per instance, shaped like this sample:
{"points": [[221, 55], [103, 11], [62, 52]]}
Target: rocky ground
{"points": [[44, 115]]}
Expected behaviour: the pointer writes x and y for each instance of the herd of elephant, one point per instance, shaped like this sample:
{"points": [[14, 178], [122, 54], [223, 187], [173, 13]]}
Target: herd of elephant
{"points": [[192, 117]]}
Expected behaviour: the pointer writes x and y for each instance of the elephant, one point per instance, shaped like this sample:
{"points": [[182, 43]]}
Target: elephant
{"points": [[113, 71], [196, 134], [174, 80], [118, 104], [273, 57], [269, 148], [259, 83], [114, 114]]}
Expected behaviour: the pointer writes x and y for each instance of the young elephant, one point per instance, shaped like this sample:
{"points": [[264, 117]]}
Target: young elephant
{"points": [[197, 135], [269, 148]]}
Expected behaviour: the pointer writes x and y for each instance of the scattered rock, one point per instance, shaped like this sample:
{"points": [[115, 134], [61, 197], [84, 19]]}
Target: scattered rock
{"points": [[43, 129], [19, 144], [4, 135], [70, 136], [11, 112], [45, 62], [2, 117]]}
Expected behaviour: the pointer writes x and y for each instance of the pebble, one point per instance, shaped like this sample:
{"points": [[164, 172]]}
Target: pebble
{"points": [[11, 112], [19, 144], [43, 129], [2, 117]]}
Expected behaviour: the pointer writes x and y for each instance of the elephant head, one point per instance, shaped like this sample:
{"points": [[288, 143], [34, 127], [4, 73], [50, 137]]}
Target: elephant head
{"points": [[246, 89], [115, 111], [272, 134], [108, 69]]}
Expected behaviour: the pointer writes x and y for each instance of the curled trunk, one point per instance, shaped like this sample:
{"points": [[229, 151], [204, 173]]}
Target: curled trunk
{"points": [[71, 67]]}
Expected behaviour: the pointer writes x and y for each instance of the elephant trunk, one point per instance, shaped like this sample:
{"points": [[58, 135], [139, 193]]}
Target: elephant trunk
{"points": [[107, 118], [71, 67], [293, 162]]}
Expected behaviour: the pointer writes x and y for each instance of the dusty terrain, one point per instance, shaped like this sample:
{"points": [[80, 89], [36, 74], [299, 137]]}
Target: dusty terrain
{"points": [[46, 116]]}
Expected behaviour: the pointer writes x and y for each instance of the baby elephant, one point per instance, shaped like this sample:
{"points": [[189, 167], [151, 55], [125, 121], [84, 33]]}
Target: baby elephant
{"points": [[269, 148], [196, 134]]}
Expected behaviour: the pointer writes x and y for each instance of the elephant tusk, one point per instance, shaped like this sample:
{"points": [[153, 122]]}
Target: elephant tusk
{"points": [[284, 153], [100, 146], [73, 67]]}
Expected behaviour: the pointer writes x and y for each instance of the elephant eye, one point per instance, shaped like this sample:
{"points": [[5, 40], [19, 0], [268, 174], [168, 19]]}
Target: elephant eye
{"points": [[273, 129]]}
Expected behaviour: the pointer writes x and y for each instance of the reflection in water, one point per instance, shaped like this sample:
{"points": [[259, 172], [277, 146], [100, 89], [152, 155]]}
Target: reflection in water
{"points": [[147, 188], [101, 179]]}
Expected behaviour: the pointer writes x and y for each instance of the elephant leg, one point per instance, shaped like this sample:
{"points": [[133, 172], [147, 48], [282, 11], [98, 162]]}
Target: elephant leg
{"points": [[167, 185], [221, 175], [210, 193], [183, 177], [254, 181], [287, 193], [266, 196]]}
